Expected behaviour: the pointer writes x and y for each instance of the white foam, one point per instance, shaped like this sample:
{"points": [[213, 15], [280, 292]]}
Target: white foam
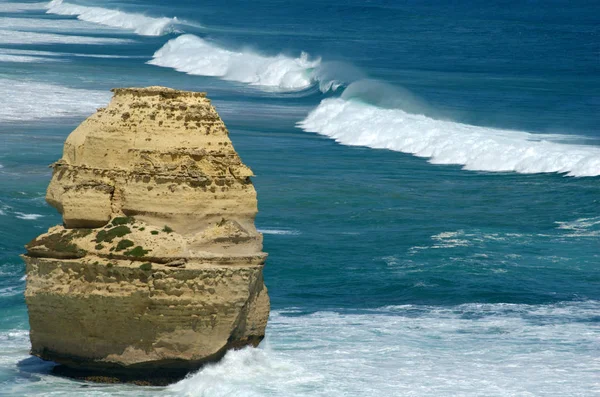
{"points": [[411, 350], [444, 142], [14, 335], [140, 24], [22, 37], [474, 238], [279, 231], [50, 101], [257, 372], [20, 7], [581, 223], [10, 291], [52, 25], [582, 227], [25, 59], [48, 56], [450, 240], [14, 346], [28, 217], [193, 55]]}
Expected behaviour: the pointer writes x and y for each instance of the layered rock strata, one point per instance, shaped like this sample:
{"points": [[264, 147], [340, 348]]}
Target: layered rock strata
{"points": [[158, 267]]}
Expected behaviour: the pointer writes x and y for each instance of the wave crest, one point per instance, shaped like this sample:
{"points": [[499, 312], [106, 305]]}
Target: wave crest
{"points": [[140, 24], [192, 55], [354, 123]]}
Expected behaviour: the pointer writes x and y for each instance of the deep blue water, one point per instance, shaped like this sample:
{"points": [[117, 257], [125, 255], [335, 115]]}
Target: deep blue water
{"points": [[427, 174]]}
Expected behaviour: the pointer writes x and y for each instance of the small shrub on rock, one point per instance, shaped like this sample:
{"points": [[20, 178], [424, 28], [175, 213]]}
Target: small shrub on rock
{"points": [[110, 234], [137, 252], [123, 244]]}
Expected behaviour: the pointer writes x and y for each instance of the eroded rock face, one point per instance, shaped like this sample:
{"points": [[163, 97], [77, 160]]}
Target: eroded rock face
{"points": [[158, 266]]}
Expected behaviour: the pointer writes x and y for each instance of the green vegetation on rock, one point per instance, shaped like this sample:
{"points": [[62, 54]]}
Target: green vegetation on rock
{"points": [[146, 266], [123, 244], [110, 234], [99, 246], [167, 229], [59, 245], [137, 252], [154, 232], [122, 220]]}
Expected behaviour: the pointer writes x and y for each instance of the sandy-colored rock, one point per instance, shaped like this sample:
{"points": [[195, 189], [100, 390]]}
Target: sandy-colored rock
{"points": [[157, 268]]}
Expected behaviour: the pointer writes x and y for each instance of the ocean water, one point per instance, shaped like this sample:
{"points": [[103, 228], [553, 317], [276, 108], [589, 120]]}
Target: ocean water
{"points": [[428, 176]]}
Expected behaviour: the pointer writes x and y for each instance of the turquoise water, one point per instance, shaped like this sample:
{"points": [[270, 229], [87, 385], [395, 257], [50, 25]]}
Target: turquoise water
{"points": [[428, 181]]}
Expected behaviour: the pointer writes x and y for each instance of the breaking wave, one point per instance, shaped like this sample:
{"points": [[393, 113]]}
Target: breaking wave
{"points": [[193, 55], [140, 24], [353, 122]]}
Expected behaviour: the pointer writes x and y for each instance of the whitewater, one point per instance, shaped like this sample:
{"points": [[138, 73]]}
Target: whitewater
{"points": [[349, 121], [193, 55], [391, 351], [352, 122]]}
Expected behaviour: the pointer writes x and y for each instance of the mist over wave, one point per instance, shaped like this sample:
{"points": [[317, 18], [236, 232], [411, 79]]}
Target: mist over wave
{"points": [[192, 55], [351, 121], [140, 24]]}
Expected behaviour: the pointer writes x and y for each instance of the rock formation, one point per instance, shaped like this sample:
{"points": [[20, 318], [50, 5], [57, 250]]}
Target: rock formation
{"points": [[158, 267]]}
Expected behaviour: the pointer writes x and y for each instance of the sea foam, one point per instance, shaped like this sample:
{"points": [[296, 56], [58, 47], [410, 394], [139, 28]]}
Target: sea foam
{"points": [[48, 56], [193, 55], [24, 59], [53, 25], [21, 37], [409, 350], [140, 24], [28, 217], [279, 232], [351, 122], [20, 7], [50, 100], [582, 227], [413, 350]]}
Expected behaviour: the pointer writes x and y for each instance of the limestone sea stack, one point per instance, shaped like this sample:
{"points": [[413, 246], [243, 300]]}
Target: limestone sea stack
{"points": [[158, 266]]}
